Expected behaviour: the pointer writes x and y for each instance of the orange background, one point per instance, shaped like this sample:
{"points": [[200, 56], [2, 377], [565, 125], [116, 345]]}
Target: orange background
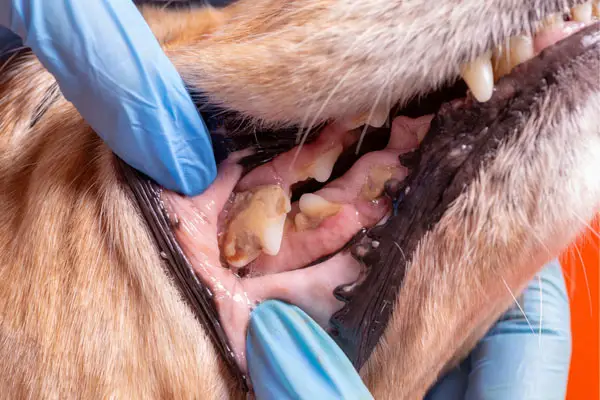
{"points": [[584, 374]]}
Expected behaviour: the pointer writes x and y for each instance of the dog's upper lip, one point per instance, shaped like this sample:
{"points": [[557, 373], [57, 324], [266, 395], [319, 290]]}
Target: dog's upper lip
{"points": [[461, 138]]}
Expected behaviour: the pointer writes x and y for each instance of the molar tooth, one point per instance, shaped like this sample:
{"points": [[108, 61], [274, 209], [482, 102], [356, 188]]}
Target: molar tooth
{"points": [[582, 12], [322, 168], [479, 77], [313, 205]]}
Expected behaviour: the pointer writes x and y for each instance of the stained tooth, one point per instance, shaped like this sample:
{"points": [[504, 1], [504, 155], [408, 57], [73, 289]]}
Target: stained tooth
{"points": [[582, 12], [479, 76], [596, 9], [257, 225], [313, 210], [321, 169], [313, 205]]}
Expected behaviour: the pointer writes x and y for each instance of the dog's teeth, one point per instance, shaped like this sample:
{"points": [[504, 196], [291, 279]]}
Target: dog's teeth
{"points": [[376, 120], [553, 21], [257, 226], [313, 210], [379, 117], [518, 50], [314, 205], [582, 12], [596, 9], [322, 168], [479, 77], [272, 236]]}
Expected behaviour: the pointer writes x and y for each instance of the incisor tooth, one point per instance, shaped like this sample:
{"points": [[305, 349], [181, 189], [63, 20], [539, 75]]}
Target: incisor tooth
{"points": [[582, 12], [479, 77], [322, 167]]}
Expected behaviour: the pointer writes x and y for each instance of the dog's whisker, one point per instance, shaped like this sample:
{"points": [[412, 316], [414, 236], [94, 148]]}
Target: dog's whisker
{"points": [[587, 225], [318, 114], [366, 127], [541, 311], [585, 278], [517, 303]]}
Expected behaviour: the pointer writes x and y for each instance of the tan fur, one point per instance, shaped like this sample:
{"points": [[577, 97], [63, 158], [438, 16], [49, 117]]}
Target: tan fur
{"points": [[86, 310]]}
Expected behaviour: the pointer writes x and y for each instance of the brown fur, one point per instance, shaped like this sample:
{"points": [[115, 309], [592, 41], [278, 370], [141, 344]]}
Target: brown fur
{"points": [[86, 310]]}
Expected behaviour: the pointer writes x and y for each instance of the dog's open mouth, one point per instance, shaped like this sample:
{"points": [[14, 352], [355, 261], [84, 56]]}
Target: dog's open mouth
{"points": [[330, 224]]}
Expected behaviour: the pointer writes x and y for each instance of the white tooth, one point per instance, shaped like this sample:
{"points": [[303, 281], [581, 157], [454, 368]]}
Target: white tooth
{"points": [[521, 49], [582, 12], [323, 167], [355, 122], [376, 120], [273, 235], [553, 21], [479, 76], [314, 205], [379, 117]]}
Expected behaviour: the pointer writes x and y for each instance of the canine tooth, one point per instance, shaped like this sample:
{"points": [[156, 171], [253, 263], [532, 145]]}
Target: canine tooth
{"points": [[479, 77], [322, 168], [313, 205], [582, 12]]}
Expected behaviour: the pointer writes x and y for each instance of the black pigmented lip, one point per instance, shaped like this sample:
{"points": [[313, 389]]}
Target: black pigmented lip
{"points": [[461, 138]]}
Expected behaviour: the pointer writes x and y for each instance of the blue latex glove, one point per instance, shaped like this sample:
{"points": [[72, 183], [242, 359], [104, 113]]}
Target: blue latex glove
{"points": [[110, 66], [514, 363], [291, 357]]}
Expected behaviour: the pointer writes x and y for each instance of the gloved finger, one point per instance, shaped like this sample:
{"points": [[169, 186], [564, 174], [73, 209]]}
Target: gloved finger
{"points": [[526, 355], [291, 357], [109, 65], [453, 385]]}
